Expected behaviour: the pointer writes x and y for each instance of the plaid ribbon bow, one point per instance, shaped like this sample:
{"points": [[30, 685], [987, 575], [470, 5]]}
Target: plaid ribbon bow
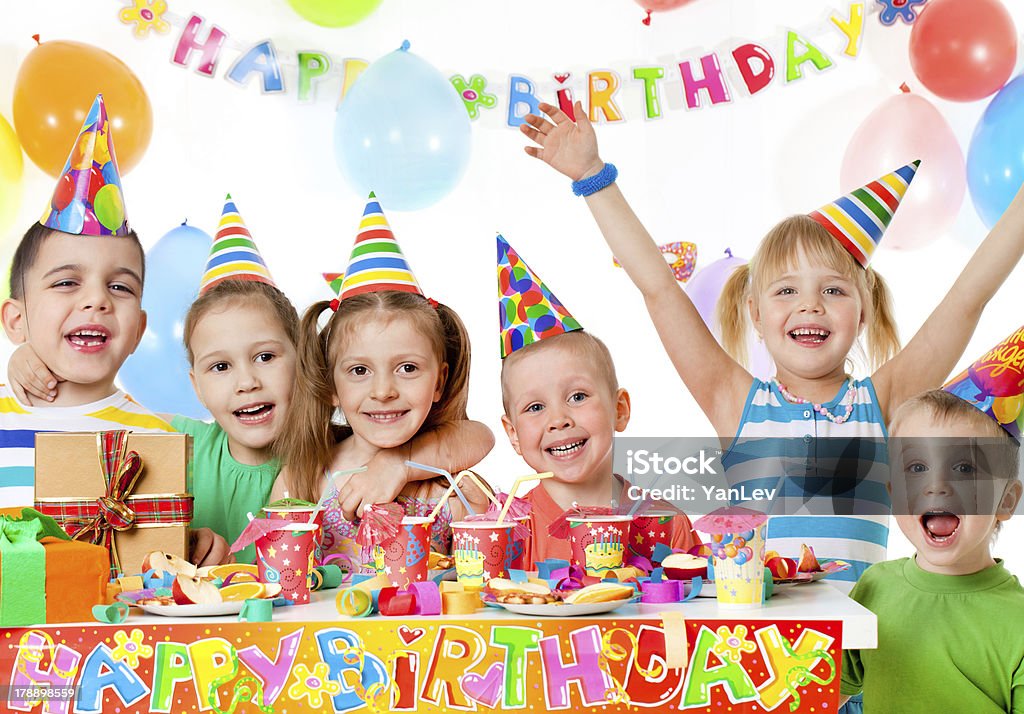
{"points": [[121, 470], [96, 520]]}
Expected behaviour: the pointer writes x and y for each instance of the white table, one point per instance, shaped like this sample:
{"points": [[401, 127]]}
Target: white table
{"points": [[815, 601]]}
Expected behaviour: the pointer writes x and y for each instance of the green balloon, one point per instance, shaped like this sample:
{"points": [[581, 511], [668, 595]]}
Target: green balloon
{"points": [[334, 13], [109, 207]]}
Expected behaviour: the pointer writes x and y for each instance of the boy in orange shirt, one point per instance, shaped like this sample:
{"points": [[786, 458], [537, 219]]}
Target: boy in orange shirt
{"points": [[563, 406]]}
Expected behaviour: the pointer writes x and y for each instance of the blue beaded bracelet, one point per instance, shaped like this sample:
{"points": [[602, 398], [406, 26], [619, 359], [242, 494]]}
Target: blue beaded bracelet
{"points": [[592, 184]]}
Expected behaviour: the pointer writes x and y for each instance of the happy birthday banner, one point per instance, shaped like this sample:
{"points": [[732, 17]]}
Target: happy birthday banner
{"points": [[424, 665], [200, 46]]}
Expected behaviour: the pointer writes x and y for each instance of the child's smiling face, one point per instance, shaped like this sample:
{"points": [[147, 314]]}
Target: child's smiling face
{"points": [[81, 311], [387, 376], [562, 414], [946, 501], [809, 317], [244, 372]]}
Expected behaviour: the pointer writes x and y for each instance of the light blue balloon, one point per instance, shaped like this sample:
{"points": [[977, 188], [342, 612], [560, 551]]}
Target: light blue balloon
{"points": [[403, 132], [995, 160], [156, 374]]}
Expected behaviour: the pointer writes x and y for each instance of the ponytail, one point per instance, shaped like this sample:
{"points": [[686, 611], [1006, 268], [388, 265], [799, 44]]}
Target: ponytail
{"points": [[883, 340], [731, 311], [307, 439], [455, 394]]}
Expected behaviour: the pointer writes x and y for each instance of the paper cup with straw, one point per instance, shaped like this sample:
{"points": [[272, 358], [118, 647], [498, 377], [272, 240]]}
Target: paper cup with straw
{"points": [[515, 489], [298, 511], [403, 559]]}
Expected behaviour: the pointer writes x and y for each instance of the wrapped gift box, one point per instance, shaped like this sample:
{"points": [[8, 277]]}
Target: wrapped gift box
{"points": [[61, 585], [73, 485]]}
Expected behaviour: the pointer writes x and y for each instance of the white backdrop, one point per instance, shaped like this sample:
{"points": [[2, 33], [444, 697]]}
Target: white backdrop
{"points": [[717, 176]]}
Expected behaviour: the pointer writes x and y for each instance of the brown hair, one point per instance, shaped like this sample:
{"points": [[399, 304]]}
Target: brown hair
{"points": [[946, 408], [28, 249], [779, 251], [583, 345], [249, 292], [308, 437]]}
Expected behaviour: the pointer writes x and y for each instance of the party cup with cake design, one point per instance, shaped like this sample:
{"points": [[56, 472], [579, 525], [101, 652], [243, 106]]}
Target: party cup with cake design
{"points": [[737, 546]]}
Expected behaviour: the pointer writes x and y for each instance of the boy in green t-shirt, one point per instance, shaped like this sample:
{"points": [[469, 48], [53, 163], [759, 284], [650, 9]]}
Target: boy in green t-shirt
{"points": [[950, 619]]}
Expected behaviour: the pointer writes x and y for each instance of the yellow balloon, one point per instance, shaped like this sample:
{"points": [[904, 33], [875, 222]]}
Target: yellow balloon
{"points": [[1007, 409], [11, 167], [54, 90]]}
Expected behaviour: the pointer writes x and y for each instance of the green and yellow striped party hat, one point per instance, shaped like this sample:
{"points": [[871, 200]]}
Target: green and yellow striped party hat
{"points": [[376, 262], [858, 219], [233, 255]]}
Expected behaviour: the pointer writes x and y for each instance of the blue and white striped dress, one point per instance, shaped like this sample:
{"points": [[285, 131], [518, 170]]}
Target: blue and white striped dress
{"points": [[782, 445]]}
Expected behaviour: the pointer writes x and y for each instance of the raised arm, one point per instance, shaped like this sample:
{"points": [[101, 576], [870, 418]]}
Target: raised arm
{"points": [[930, 356], [716, 380]]}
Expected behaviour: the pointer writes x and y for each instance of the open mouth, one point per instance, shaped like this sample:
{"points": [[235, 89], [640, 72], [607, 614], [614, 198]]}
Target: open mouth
{"points": [[567, 448], [87, 339], [809, 335], [940, 526], [385, 417], [254, 413]]}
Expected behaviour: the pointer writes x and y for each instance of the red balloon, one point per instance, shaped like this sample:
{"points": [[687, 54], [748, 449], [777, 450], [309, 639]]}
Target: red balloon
{"points": [[963, 50], [65, 192], [96, 182]]}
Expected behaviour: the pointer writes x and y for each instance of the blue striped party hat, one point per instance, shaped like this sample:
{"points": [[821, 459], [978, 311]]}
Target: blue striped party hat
{"points": [[376, 262], [233, 255], [858, 219]]}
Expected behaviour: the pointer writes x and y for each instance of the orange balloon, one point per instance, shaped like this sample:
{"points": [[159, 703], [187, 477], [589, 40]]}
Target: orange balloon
{"points": [[55, 87], [1007, 409]]}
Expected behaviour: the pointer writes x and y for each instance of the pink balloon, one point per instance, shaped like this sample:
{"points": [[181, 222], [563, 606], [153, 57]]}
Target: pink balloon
{"points": [[903, 128], [704, 289], [660, 5]]}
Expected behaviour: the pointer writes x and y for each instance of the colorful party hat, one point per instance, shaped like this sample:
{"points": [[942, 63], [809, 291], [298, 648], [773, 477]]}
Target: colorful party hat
{"points": [[376, 262], [858, 219], [527, 310], [88, 199], [334, 281], [994, 384], [233, 255]]}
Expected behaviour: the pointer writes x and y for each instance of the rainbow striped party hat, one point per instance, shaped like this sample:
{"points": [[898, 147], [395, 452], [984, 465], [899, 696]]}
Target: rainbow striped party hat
{"points": [[233, 255], [858, 219], [334, 281], [527, 310], [376, 262], [88, 199]]}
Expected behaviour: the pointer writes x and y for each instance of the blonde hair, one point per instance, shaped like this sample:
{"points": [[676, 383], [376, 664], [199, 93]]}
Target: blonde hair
{"points": [[583, 345], [1001, 450], [308, 437], [778, 252]]}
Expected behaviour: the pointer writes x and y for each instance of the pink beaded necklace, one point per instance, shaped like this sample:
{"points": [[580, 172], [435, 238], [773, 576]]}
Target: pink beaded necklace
{"points": [[847, 399]]}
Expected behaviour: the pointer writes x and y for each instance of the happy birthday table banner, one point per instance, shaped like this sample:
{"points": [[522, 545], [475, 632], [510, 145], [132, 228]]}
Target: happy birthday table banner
{"points": [[424, 665], [706, 78]]}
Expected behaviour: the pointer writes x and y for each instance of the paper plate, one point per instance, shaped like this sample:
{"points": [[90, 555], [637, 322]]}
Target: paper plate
{"points": [[830, 567], [589, 608], [219, 608]]}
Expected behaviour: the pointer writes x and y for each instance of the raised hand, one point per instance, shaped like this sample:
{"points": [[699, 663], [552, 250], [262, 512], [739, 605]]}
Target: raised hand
{"points": [[568, 147]]}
